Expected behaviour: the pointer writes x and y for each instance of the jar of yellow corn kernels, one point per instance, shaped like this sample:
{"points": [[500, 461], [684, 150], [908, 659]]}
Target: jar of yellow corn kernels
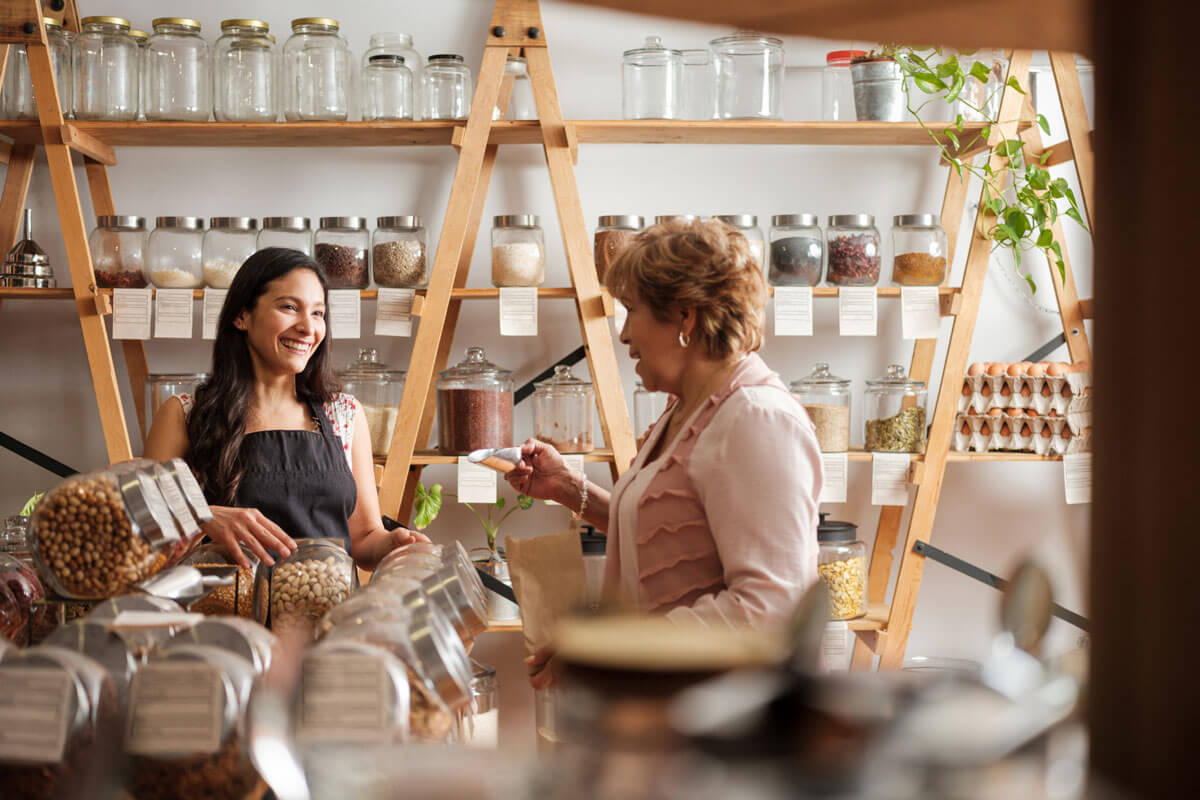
{"points": [[842, 565]]}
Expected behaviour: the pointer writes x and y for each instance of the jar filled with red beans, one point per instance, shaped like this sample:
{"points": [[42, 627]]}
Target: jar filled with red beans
{"points": [[853, 250]]}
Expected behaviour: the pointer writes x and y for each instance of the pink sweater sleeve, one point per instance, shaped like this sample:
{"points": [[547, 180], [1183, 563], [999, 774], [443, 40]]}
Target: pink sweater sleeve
{"points": [[757, 470]]}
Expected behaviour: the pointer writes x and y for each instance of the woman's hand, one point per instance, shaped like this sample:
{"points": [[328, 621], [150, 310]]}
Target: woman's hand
{"points": [[249, 526], [543, 474], [541, 669], [403, 536]]}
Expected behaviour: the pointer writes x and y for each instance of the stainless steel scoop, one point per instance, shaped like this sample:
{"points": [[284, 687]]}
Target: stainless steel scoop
{"points": [[186, 585], [501, 459]]}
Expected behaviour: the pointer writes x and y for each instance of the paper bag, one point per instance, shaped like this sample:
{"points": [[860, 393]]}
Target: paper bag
{"points": [[548, 579]]}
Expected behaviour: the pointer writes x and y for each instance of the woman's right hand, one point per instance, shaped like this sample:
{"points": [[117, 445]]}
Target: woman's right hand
{"points": [[249, 526], [542, 473]]}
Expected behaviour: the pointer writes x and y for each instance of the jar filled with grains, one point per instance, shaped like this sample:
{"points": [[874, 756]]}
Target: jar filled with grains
{"points": [[236, 599], [175, 252], [118, 246], [747, 225], [379, 389], [895, 413], [842, 567], [853, 246], [518, 251], [613, 234], [826, 398], [919, 248], [291, 232], [228, 242], [797, 250], [475, 405], [340, 246], [399, 253]]}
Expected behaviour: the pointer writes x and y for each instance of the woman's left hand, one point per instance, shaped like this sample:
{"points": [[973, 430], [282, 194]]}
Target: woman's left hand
{"points": [[541, 668], [403, 536]]}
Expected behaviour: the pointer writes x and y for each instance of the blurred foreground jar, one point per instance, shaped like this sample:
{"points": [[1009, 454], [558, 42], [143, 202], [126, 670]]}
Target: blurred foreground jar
{"points": [[245, 73], [33, 617], [16, 95], [318, 72], [107, 65], [178, 64]]}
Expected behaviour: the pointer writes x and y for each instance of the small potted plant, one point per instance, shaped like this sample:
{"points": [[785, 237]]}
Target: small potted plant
{"points": [[878, 86]]}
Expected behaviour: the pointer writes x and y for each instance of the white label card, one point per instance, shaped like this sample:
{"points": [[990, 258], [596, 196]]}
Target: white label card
{"points": [[857, 310], [619, 314], [173, 314], [132, 312], [476, 483], [1077, 477], [518, 311], [920, 312], [214, 299], [343, 697], [835, 646], [793, 311], [33, 714], [835, 469], [393, 312], [889, 479], [345, 313], [175, 708], [574, 462]]}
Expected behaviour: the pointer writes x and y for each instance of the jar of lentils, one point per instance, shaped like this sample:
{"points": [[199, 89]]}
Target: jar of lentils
{"points": [[340, 246], [399, 253], [854, 250]]}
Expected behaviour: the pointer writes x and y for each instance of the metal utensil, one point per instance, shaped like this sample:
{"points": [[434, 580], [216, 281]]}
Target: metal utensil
{"points": [[186, 585], [501, 459]]}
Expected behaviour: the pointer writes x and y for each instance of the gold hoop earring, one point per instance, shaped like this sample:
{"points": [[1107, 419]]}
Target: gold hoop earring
{"points": [[684, 341]]}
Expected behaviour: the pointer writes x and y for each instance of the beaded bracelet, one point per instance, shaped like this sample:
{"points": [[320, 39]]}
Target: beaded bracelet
{"points": [[583, 494]]}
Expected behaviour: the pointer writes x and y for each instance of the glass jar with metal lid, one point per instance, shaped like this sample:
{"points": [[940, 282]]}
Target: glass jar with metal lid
{"points": [[688, 218], [379, 389], [227, 244], [613, 234], [648, 406], [521, 102], [918, 250], [797, 250], [749, 76], [178, 64], [853, 250], [446, 87], [387, 88], [19, 573], [399, 252], [518, 251], [482, 719], [107, 63], [747, 225], [318, 71], [175, 253], [652, 81], [475, 405], [143, 41], [245, 74], [162, 386], [895, 413], [16, 95], [399, 44], [294, 233], [340, 246], [118, 247], [562, 412], [842, 567], [826, 398]]}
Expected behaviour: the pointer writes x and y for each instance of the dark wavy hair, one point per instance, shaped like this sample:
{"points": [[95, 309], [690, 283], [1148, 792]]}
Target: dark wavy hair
{"points": [[217, 422]]}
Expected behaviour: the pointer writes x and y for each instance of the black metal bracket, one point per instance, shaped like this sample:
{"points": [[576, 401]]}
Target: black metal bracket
{"points": [[1046, 349], [30, 453], [570, 359]]}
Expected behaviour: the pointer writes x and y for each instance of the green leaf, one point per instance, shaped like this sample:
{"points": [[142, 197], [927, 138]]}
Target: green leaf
{"points": [[1043, 124], [985, 132], [1045, 239], [948, 68], [958, 123], [1058, 261], [1038, 178], [928, 83], [996, 205], [500, 503], [1029, 280], [1003, 233], [524, 502], [980, 72], [427, 505], [1073, 213], [30, 504], [1010, 147], [1015, 219], [1015, 85], [956, 87], [949, 134]]}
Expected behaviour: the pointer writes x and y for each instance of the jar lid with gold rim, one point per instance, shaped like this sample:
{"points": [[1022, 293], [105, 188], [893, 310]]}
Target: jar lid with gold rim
{"points": [[324, 22], [181, 22], [51, 22], [120, 22], [257, 24], [142, 37]]}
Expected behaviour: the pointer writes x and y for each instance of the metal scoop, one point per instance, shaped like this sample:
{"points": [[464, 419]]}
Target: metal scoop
{"points": [[501, 459], [187, 585]]}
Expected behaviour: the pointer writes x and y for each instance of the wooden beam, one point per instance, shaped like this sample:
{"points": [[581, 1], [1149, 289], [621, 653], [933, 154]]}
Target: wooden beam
{"points": [[1079, 132], [16, 192], [88, 146]]}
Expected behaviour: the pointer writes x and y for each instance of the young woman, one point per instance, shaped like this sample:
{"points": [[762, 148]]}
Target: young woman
{"points": [[280, 452]]}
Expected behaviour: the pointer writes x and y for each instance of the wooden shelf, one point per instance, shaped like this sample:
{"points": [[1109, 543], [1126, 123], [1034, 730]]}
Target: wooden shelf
{"points": [[984, 458], [546, 293], [881, 291], [875, 620], [36, 294], [514, 626], [426, 458]]}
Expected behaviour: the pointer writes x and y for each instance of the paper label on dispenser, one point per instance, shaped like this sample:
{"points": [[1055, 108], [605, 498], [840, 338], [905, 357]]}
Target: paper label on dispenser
{"points": [[393, 312], [133, 310], [857, 310], [345, 313], [518, 311], [920, 312], [343, 697], [214, 299], [173, 314], [835, 646], [835, 467], [574, 462], [889, 479], [1077, 477], [175, 707], [33, 714], [476, 483], [793, 311]]}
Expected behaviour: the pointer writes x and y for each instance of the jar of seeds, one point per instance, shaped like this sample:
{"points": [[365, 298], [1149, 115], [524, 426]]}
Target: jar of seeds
{"points": [[340, 246], [826, 398], [236, 599], [475, 405], [518, 251], [854, 250], [895, 413], [399, 253], [842, 567]]}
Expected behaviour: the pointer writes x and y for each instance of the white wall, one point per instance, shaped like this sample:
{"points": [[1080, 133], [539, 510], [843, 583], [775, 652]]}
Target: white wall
{"points": [[992, 515]]}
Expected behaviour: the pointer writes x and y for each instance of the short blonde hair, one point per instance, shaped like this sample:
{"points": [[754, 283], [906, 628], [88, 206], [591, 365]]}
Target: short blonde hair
{"points": [[706, 266]]}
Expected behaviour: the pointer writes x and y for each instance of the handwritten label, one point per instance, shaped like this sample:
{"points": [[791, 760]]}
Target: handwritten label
{"points": [[857, 310], [889, 479], [175, 708], [33, 714], [518, 311], [345, 313], [214, 299], [476, 483], [1077, 477], [393, 312], [835, 468], [920, 312], [793, 311], [173, 314], [343, 697], [132, 313]]}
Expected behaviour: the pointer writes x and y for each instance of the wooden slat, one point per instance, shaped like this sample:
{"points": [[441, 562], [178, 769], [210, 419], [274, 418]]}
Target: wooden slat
{"points": [[519, 24], [1087, 307], [16, 192], [14, 16], [1070, 95], [88, 146], [36, 294]]}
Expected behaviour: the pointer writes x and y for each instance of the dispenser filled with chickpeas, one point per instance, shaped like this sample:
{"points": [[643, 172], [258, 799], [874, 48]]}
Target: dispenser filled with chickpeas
{"points": [[842, 567]]}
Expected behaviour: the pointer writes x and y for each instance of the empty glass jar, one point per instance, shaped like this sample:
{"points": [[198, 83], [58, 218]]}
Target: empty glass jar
{"points": [[118, 247], [895, 413], [318, 71], [178, 66], [291, 232], [521, 103], [399, 44], [446, 87], [107, 64], [826, 398], [175, 253], [399, 253], [245, 75], [143, 42], [854, 251], [613, 234], [16, 95], [562, 412], [747, 225], [227, 244], [475, 405], [379, 389], [518, 251], [837, 87], [919, 250], [797, 250], [842, 567], [387, 88], [652, 81], [340, 246], [161, 387], [647, 408], [749, 76], [698, 90]]}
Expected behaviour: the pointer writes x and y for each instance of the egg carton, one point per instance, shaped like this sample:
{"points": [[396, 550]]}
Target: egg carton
{"points": [[1022, 433], [1043, 393]]}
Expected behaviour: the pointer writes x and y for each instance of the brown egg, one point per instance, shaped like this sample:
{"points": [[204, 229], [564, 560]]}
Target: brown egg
{"points": [[997, 368], [1026, 430], [966, 429], [1015, 412], [1026, 391], [966, 390], [986, 429], [976, 369], [995, 412], [1037, 370], [1052, 413], [1013, 371], [1066, 433], [1058, 369], [1046, 432], [986, 391], [971, 412], [1005, 390], [1066, 391], [1046, 390], [1026, 366], [1004, 430]]}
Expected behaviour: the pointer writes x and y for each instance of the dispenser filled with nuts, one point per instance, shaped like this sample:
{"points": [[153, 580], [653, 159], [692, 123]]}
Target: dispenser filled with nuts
{"points": [[307, 584], [842, 566], [562, 411], [234, 599]]}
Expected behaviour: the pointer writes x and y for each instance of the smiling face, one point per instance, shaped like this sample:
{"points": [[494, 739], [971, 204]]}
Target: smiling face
{"points": [[287, 324], [654, 344]]}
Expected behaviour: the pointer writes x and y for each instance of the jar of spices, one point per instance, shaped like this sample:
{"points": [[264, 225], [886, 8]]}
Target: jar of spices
{"points": [[747, 225], [562, 412], [797, 250], [446, 87], [16, 96], [227, 244], [245, 75], [318, 69], [178, 66], [895, 413], [175, 253], [399, 252], [340, 246], [518, 251], [842, 567], [304, 586], [118, 246], [399, 44], [853, 250], [379, 389], [652, 81], [107, 70], [160, 387], [291, 232], [648, 407], [236, 599], [613, 234], [19, 574], [826, 398], [749, 76], [387, 88], [475, 405], [919, 245], [837, 86]]}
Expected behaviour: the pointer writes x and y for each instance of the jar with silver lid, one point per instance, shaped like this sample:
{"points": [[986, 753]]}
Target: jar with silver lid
{"points": [[318, 71], [918, 250], [518, 251], [178, 64], [228, 242], [749, 76], [853, 250], [446, 88], [747, 225], [686, 218], [562, 412], [652, 81], [294, 233], [340, 246], [118, 246], [387, 88], [613, 234], [521, 103], [797, 250], [175, 253], [107, 65], [245, 73], [399, 253], [16, 95]]}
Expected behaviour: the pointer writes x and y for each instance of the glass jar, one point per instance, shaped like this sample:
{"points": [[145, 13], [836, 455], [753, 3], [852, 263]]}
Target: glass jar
{"points": [[595, 556], [328, 673], [797, 250], [293, 602], [399, 44], [749, 76], [92, 638], [178, 66], [19, 574], [826, 398], [291, 232], [842, 567], [175, 253], [482, 719], [854, 250], [118, 246], [895, 413], [562, 412], [521, 102], [647, 408], [475, 405], [837, 87], [455, 589], [387, 88], [379, 389], [652, 81], [518, 251], [318, 69], [446, 88], [107, 65], [162, 386], [613, 234], [747, 225], [242, 637], [236, 599], [340, 246], [227, 244], [698, 90], [245, 74], [919, 250], [16, 95], [688, 218], [399, 253], [143, 41]]}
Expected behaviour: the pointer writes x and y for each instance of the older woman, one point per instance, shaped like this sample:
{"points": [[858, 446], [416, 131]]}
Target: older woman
{"points": [[716, 519]]}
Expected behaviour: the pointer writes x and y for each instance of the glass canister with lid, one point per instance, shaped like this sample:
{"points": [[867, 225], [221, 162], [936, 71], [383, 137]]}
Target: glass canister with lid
{"points": [[178, 64], [747, 225], [118, 248], [562, 411], [797, 250], [446, 87], [475, 405], [143, 41], [518, 251], [648, 406], [34, 619], [107, 64], [175, 253], [837, 86], [399, 252], [16, 96], [340, 246], [521, 102], [379, 388], [895, 413], [854, 250], [318, 71], [652, 81], [304, 586], [292, 232], [698, 100], [228, 242], [919, 250], [842, 567], [749, 76], [162, 386], [613, 234], [234, 599], [399, 44], [387, 88], [245, 75], [826, 398]]}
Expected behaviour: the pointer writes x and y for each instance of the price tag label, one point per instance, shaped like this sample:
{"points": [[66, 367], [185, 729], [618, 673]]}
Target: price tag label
{"points": [[345, 313], [793, 311], [476, 483], [393, 312], [619, 314], [214, 299], [343, 697], [920, 312], [857, 310], [518, 311], [33, 714], [1077, 477], [132, 313], [889, 479], [835, 646], [835, 468], [175, 708], [173, 314]]}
